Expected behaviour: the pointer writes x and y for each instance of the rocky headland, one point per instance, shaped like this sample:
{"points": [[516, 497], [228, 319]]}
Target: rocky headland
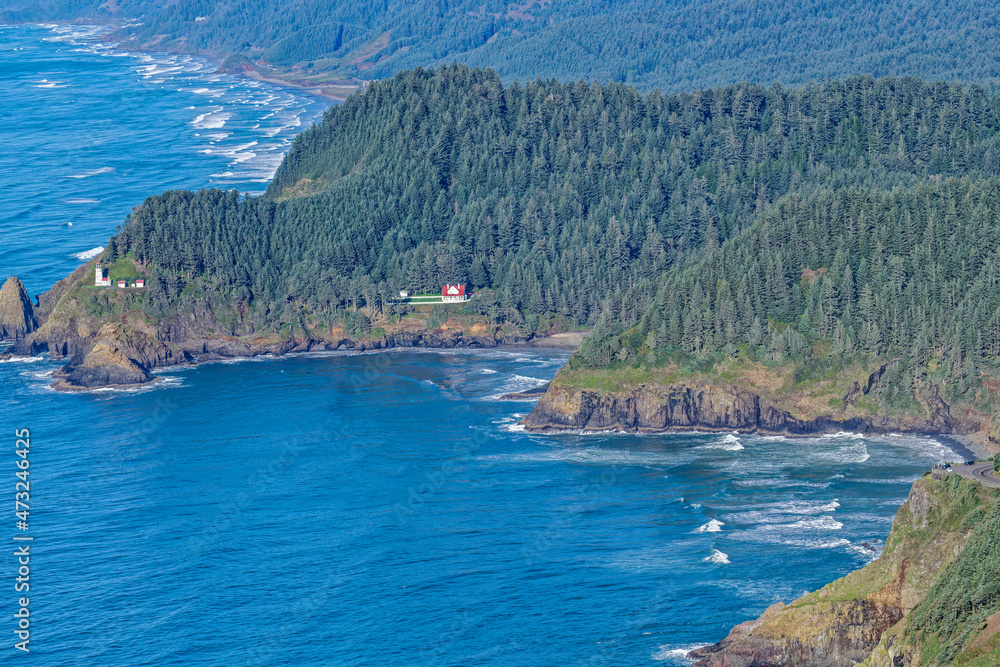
{"points": [[679, 407], [898, 610], [108, 340], [751, 398]]}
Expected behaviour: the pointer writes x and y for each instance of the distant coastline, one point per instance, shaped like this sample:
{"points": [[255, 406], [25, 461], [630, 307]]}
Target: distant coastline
{"points": [[334, 93]]}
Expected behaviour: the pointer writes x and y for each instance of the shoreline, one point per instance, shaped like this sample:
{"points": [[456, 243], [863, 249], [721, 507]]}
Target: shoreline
{"points": [[303, 349], [216, 60], [963, 444]]}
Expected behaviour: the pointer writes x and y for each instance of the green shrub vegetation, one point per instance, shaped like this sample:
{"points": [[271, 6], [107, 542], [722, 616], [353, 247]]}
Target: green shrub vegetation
{"points": [[965, 594]]}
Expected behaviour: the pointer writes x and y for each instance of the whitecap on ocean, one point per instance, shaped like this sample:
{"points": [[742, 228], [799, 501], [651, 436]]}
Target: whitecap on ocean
{"points": [[713, 526], [717, 557], [729, 442], [88, 254]]}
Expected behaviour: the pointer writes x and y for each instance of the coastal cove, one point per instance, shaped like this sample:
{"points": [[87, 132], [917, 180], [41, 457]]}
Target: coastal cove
{"points": [[240, 461], [411, 502]]}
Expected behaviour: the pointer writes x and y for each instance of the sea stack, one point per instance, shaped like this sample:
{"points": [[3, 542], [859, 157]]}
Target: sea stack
{"points": [[17, 316]]}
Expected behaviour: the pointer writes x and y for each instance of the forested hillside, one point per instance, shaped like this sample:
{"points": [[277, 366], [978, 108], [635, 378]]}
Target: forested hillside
{"points": [[824, 278], [673, 47], [566, 199]]}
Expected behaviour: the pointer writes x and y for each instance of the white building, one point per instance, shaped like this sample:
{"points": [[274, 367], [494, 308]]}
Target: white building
{"points": [[100, 277]]}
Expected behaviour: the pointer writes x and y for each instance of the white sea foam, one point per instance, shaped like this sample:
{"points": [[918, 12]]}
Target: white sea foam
{"points": [[805, 506], [818, 523], [713, 526], [487, 371], [589, 455], [843, 434], [21, 360], [886, 480], [717, 557], [729, 442], [669, 652], [82, 200], [166, 382], [869, 554], [94, 172], [817, 543], [530, 382], [780, 512], [88, 254], [516, 384], [779, 481], [857, 453], [212, 120]]}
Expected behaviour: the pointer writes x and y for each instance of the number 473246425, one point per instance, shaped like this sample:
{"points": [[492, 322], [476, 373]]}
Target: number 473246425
{"points": [[23, 486]]}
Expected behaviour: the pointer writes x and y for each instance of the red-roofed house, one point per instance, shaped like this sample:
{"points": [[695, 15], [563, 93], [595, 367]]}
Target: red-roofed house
{"points": [[450, 293]]}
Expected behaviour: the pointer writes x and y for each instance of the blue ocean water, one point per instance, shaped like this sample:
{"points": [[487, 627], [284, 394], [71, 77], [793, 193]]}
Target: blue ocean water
{"points": [[386, 509], [88, 132], [375, 509]]}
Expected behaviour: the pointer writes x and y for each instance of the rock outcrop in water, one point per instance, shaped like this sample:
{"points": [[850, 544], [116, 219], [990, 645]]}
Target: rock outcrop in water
{"points": [[17, 315], [657, 408], [106, 365], [877, 616]]}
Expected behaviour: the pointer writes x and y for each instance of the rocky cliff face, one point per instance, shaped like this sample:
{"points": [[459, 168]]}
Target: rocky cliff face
{"points": [[837, 634], [655, 408], [853, 619], [98, 359], [17, 316]]}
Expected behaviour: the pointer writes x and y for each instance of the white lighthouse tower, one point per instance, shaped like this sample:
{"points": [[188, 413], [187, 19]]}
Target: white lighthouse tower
{"points": [[99, 279]]}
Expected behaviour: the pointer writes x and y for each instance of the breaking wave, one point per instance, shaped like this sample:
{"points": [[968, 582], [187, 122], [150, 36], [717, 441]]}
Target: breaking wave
{"points": [[713, 526], [717, 557], [94, 172], [729, 442], [675, 652], [88, 254]]}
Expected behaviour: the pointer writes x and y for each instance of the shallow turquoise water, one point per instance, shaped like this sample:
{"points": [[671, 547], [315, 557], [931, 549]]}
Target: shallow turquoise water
{"points": [[374, 509]]}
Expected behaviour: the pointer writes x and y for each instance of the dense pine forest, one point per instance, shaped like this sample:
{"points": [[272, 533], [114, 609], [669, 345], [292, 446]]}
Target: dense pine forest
{"points": [[565, 200], [669, 46], [902, 274]]}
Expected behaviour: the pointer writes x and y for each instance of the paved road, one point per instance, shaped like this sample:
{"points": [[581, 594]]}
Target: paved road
{"points": [[981, 472]]}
